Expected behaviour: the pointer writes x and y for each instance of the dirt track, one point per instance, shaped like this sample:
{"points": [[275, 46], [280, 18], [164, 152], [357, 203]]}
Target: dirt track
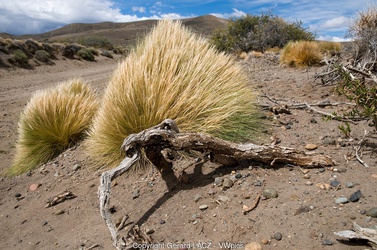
{"points": [[303, 213]]}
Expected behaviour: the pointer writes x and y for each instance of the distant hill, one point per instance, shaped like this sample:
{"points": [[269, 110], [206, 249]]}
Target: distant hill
{"points": [[124, 34]]}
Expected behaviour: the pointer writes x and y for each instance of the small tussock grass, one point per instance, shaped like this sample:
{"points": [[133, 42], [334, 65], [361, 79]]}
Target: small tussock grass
{"points": [[330, 48], [301, 54], [53, 120], [173, 74]]}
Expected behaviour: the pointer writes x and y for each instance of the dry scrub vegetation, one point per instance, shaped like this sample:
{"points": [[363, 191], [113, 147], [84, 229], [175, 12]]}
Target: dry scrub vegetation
{"points": [[173, 74], [53, 120]]}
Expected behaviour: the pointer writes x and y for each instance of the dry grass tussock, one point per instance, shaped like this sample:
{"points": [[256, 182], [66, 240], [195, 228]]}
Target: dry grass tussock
{"points": [[301, 54], [53, 120], [330, 48], [174, 74]]}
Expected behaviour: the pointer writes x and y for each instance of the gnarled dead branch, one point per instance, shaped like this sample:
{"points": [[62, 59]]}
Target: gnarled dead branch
{"points": [[166, 136]]}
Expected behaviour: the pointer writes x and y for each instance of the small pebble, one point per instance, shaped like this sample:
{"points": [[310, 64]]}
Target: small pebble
{"points": [[270, 193], [253, 246], [341, 200], [162, 222], [349, 185], [321, 170], [149, 231], [223, 198], [372, 212], [278, 236], [363, 211], [203, 207], [34, 187], [197, 197], [334, 183], [327, 243], [310, 146], [238, 175], [227, 183], [308, 183], [218, 181], [76, 167], [264, 241], [355, 196], [59, 212], [135, 194], [17, 195], [306, 176]]}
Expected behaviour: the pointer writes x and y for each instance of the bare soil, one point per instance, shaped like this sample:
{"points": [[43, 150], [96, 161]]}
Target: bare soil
{"points": [[305, 215]]}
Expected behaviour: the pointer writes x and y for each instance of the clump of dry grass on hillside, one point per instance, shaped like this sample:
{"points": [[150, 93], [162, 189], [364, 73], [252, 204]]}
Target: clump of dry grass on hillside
{"points": [[301, 54], [53, 120], [330, 48], [173, 74]]}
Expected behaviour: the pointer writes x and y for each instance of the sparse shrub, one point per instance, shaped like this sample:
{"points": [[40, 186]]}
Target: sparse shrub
{"points": [[364, 31], [53, 120], [97, 42], [258, 33], [359, 91], [32, 46], [330, 48], [42, 55], [107, 54], [120, 50], [20, 57], [69, 51], [301, 54], [173, 74], [86, 54]]}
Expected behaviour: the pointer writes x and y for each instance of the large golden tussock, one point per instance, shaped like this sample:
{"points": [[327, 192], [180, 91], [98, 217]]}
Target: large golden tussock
{"points": [[173, 74]]}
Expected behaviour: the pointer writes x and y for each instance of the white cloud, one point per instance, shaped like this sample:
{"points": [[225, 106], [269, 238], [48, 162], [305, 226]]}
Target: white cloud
{"points": [[336, 23], [235, 13], [333, 39], [138, 9]]}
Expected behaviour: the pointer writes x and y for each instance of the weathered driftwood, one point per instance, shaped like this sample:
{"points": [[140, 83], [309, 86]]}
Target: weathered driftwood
{"points": [[360, 233], [165, 136]]}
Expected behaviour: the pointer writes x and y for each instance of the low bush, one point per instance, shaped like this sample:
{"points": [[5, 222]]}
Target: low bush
{"points": [[107, 54], [173, 74], [20, 57], [258, 33], [97, 42], [42, 55], [86, 54], [53, 120], [301, 54]]}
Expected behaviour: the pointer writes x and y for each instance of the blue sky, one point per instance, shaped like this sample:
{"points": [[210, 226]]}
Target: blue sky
{"points": [[329, 19]]}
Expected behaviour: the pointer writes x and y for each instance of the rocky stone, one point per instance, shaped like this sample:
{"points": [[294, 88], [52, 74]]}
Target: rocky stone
{"points": [[312, 120], [372, 212], [218, 181], [135, 194], [308, 183], [321, 170], [76, 167], [227, 183], [350, 185], [238, 175], [59, 212], [335, 183], [203, 207], [341, 200], [197, 197], [162, 222], [327, 243], [223, 198], [17, 195], [270, 193], [363, 211], [34, 187], [355, 196], [311, 146], [278, 236], [149, 230], [265, 241], [253, 246]]}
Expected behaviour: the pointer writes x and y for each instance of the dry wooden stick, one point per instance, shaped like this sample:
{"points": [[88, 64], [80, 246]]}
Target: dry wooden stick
{"points": [[247, 209], [357, 149], [360, 233], [166, 136]]}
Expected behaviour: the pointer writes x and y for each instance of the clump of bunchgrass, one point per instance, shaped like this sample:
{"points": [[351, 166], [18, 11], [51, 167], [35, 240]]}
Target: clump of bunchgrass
{"points": [[301, 54], [173, 74], [330, 48], [53, 120]]}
